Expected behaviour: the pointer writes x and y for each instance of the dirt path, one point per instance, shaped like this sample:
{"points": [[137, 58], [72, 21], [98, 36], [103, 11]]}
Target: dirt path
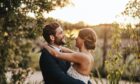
{"points": [[37, 78]]}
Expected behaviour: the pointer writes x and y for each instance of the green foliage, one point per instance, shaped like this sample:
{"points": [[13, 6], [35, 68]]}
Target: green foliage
{"points": [[17, 30], [25, 6], [131, 52], [123, 57], [20, 75], [70, 39], [133, 9], [114, 62]]}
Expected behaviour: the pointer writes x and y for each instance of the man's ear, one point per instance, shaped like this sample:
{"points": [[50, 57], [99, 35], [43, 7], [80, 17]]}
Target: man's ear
{"points": [[52, 37]]}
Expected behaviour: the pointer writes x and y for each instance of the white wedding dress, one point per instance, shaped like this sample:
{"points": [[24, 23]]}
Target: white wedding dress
{"points": [[73, 73]]}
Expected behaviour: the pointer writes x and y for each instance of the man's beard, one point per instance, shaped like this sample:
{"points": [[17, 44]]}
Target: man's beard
{"points": [[59, 41]]}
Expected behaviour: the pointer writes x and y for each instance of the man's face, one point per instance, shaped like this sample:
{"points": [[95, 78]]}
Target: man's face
{"points": [[59, 36]]}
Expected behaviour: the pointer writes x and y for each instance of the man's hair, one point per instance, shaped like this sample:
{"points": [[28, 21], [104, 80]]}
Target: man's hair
{"points": [[50, 29]]}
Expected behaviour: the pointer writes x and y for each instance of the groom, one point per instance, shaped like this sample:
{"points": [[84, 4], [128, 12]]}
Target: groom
{"points": [[53, 69]]}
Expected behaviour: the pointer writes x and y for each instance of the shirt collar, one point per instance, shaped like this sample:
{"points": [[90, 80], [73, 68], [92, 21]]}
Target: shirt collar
{"points": [[56, 48]]}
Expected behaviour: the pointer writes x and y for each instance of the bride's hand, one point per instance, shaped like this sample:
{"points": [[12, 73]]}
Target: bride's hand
{"points": [[41, 44], [63, 49]]}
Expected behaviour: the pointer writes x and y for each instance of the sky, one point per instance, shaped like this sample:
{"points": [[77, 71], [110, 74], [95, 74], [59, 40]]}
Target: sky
{"points": [[91, 11]]}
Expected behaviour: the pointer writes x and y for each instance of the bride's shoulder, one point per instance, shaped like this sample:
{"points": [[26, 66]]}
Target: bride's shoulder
{"points": [[81, 55]]}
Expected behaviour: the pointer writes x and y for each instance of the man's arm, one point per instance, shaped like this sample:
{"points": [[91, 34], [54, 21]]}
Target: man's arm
{"points": [[55, 72]]}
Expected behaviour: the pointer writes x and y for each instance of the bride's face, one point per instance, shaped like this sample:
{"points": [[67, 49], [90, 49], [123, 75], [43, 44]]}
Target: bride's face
{"points": [[79, 42]]}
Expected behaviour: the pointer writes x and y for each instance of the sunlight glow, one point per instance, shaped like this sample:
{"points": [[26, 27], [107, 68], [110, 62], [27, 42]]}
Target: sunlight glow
{"points": [[90, 11]]}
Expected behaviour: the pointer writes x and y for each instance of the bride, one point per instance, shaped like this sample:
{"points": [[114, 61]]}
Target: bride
{"points": [[82, 61]]}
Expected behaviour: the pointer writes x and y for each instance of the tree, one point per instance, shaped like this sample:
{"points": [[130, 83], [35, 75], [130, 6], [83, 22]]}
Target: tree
{"points": [[16, 27], [133, 10]]}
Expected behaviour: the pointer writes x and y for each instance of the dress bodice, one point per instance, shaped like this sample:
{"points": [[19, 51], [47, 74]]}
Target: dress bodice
{"points": [[73, 73]]}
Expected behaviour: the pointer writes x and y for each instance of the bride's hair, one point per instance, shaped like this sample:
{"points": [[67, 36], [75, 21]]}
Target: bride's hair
{"points": [[89, 36]]}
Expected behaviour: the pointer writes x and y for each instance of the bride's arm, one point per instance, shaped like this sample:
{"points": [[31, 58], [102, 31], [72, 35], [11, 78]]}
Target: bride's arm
{"points": [[52, 51], [66, 50], [75, 57]]}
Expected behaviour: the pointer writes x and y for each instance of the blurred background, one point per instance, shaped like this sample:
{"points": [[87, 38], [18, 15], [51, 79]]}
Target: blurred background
{"points": [[116, 22]]}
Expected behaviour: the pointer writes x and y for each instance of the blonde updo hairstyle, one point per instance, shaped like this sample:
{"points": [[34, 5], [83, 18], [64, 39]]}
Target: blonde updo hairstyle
{"points": [[89, 36]]}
